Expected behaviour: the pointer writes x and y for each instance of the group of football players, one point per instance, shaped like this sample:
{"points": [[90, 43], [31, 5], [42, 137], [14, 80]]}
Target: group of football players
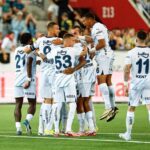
{"points": [[68, 78]]}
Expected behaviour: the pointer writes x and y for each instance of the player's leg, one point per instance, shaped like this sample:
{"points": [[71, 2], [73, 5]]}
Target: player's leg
{"points": [[89, 116], [129, 124], [134, 98], [30, 113], [46, 113], [63, 118], [148, 109], [112, 98], [18, 114], [80, 114], [102, 82], [41, 123], [70, 95]]}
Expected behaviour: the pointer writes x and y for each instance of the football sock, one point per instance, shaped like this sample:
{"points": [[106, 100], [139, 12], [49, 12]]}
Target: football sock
{"points": [[93, 113], [105, 94], [81, 118], [129, 122], [112, 95], [29, 117], [89, 118], [71, 114], [64, 116], [149, 115], [41, 127], [18, 126], [57, 116]]}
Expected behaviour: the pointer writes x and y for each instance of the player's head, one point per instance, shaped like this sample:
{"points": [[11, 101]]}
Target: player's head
{"points": [[69, 40], [141, 37], [76, 31], [53, 29], [11, 35], [26, 38], [88, 20]]}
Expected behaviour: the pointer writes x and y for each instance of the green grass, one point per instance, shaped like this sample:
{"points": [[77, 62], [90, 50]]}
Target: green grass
{"points": [[107, 131]]}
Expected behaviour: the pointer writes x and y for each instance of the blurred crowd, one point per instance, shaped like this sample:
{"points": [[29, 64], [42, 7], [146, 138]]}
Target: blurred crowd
{"points": [[16, 19]]}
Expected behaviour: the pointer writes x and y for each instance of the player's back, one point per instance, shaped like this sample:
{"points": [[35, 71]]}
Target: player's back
{"points": [[100, 31], [65, 58], [140, 61], [20, 65], [45, 46]]}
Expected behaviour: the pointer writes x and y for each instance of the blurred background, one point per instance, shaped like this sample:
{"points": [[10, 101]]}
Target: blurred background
{"points": [[123, 18]]}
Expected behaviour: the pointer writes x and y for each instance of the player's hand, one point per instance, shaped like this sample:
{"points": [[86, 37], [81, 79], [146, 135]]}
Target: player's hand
{"points": [[84, 51], [69, 71], [57, 41], [126, 91], [26, 84], [88, 39], [38, 62]]}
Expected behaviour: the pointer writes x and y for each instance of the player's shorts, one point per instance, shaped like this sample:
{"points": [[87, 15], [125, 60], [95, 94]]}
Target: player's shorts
{"points": [[86, 89], [139, 92], [45, 86], [30, 92], [105, 64], [65, 94]]}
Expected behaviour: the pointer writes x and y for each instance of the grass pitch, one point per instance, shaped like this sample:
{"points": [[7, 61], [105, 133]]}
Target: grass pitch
{"points": [[106, 139]]}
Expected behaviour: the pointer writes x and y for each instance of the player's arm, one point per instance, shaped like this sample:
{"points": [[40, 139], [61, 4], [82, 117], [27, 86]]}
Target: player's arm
{"points": [[126, 78], [57, 41], [29, 72], [81, 63]]}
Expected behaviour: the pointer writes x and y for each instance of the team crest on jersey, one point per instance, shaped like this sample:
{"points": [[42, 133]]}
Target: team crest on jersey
{"points": [[20, 52], [145, 55], [47, 42], [62, 52]]}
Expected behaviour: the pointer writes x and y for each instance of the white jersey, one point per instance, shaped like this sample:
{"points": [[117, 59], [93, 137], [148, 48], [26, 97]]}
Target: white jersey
{"points": [[87, 74], [98, 32], [21, 65], [64, 58], [139, 58], [44, 44]]}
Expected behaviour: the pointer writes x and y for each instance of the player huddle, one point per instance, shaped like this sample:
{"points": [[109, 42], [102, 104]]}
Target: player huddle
{"points": [[68, 78]]}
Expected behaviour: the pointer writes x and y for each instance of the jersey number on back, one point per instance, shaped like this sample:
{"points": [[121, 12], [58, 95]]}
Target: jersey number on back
{"points": [[65, 59], [46, 50], [140, 64], [19, 60]]}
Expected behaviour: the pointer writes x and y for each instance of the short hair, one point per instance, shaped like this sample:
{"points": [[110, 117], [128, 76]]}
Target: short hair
{"points": [[62, 33], [67, 36], [80, 29], [142, 35], [89, 15], [25, 38], [51, 24]]}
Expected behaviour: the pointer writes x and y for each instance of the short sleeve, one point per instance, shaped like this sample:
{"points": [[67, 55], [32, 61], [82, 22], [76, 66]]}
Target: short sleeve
{"points": [[98, 33], [5, 43], [36, 44], [128, 59]]}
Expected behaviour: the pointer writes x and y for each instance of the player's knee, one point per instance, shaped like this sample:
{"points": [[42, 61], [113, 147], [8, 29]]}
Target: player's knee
{"points": [[131, 108]]}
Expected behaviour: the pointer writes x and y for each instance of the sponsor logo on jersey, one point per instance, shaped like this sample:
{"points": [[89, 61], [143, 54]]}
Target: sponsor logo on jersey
{"points": [[141, 76], [47, 42], [145, 55], [70, 96], [62, 52]]}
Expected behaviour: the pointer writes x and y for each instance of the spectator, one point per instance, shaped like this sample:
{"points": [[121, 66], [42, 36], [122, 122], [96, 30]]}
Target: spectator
{"points": [[19, 6], [31, 24], [66, 23], [118, 39], [53, 11], [112, 41], [18, 25], [8, 45], [129, 39]]}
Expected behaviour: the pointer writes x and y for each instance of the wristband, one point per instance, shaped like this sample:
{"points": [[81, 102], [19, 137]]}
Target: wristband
{"points": [[92, 49], [32, 47], [28, 79], [81, 37], [125, 83]]}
